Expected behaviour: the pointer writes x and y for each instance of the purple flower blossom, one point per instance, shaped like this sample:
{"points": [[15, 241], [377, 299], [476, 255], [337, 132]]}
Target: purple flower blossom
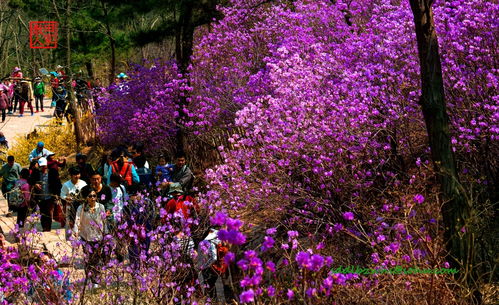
{"points": [[292, 234], [234, 224], [268, 243], [316, 262], [271, 231], [271, 291], [419, 199], [348, 216], [219, 219], [229, 257], [247, 296], [303, 259], [270, 266], [381, 238]]}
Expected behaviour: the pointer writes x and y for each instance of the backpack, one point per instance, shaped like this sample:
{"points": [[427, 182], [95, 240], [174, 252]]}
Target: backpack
{"points": [[18, 88], [125, 172], [16, 196]]}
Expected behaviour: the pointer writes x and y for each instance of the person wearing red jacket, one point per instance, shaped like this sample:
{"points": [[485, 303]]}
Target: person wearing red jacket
{"points": [[185, 203]]}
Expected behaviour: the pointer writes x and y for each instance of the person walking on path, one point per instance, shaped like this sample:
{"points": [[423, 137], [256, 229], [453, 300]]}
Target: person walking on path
{"points": [[39, 90], [4, 102], [90, 227], [141, 164], [86, 169], [16, 76], [39, 152], [71, 194], [54, 84], [103, 191], [10, 173], [46, 185], [57, 164], [125, 169], [10, 92], [24, 187], [26, 96], [61, 104]]}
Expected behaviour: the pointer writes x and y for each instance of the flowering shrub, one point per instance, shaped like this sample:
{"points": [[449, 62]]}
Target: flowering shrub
{"points": [[329, 166], [144, 108]]}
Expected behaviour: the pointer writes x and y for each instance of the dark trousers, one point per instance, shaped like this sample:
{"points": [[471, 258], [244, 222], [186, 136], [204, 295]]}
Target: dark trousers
{"points": [[210, 278], [7, 187], [39, 99], [11, 101], [47, 211], [16, 99], [4, 113], [70, 210], [22, 214], [94, 259]]}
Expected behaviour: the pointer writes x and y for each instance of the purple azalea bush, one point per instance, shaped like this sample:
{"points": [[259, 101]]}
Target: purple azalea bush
{"points": [[328, 163], [144, 108]]}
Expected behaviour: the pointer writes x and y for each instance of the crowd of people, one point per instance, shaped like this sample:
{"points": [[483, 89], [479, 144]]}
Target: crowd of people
{"points": [[18, 91], [91, 203]]}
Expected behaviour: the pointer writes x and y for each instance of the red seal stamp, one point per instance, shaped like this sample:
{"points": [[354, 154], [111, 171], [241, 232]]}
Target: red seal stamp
{"points": [[43, 34]]}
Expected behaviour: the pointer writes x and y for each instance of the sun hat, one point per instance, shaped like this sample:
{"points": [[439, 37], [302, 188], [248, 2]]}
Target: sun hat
{"points": [[42, 162], [175, 188]]}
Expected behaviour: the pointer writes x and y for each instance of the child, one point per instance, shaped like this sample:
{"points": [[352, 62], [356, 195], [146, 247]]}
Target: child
{"points": [[164, 170]]}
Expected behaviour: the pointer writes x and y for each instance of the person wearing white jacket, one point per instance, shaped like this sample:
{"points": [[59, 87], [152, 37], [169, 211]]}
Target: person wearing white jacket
{"points": [[70, 193], [90, 227]]}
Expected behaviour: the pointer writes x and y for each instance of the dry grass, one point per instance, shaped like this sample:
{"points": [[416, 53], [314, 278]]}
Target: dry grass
{"points": [[58, 139]]}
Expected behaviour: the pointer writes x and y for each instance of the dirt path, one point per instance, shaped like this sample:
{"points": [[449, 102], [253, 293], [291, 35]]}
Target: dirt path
{"points": [[15, 125]]}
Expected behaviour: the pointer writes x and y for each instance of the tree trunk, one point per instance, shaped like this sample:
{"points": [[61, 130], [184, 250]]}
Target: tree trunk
{"points": [[456, 210], [112, 43], [183, 50], [68, 37], [90, 69]]}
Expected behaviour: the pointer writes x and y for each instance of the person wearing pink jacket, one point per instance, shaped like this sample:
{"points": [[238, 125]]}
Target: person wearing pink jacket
{"points": [[4, 101]]}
